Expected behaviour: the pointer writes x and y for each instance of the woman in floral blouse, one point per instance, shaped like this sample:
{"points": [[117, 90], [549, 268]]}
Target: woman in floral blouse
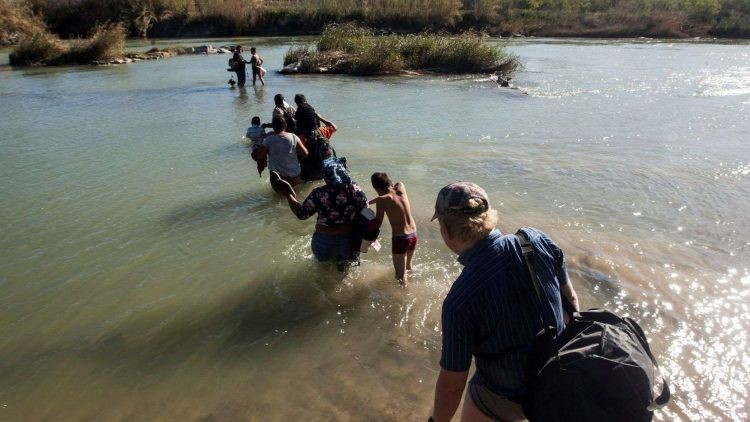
{"points": [[337, 204]]}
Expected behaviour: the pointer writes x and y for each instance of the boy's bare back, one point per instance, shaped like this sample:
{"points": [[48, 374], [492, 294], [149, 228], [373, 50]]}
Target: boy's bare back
{"points": [[395, 204]]}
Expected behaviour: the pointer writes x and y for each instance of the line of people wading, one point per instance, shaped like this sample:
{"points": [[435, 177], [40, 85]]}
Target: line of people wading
{"points": [[495, 307], [484, 314]]}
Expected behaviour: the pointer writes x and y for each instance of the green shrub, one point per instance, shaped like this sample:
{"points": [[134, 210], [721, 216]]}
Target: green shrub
{"points": [[295, 54], [352, 49], [347, 37]]}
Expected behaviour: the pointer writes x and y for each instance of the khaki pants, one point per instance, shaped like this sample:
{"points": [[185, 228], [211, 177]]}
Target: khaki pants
{"points": [[495, 406]]}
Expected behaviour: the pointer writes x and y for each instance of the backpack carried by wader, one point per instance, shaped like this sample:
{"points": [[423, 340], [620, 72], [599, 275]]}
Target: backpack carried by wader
{"points": [[318, 149], [291, 122], [600, 368]]}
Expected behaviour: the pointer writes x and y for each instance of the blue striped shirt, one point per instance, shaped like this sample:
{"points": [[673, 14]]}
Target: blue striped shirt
{"points": [[492, 312]]}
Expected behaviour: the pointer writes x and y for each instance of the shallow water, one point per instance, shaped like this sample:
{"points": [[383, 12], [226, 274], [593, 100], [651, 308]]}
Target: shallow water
{"points": [[147, 272]]}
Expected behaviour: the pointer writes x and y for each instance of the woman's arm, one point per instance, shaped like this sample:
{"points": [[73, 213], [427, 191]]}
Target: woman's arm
{"points": [[301, 149]]}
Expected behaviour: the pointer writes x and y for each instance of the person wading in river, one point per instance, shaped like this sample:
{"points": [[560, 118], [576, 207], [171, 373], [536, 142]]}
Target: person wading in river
{"points": [[239, 65], [492, 311], [283, 148]]}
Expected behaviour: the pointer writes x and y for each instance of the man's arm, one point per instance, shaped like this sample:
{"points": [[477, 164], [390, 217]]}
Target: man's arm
{"points": [[448, 391], [327, 122], [569, 292]]}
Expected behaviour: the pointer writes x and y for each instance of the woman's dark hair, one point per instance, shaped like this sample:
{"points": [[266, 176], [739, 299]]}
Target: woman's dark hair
{"points": [[381, 181], [279, 124], [300, 98]]}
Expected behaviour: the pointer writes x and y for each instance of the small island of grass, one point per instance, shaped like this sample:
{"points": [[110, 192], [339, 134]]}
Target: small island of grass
{"points": [[356, 50]]}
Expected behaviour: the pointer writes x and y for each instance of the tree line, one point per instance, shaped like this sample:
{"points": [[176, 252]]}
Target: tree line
{"points": [[182, 18]]}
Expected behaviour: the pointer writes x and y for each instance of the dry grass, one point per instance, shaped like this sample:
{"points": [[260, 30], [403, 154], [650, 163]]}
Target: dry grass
{"points": [[37, 49], [43, 48], [106, 43], [17, 22]]}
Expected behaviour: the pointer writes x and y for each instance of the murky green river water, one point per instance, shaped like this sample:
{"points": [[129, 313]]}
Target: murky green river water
{"points": [[148, 273]]}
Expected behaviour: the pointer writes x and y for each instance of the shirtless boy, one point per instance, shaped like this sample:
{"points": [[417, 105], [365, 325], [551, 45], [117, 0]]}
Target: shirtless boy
{"points": [[393, 202]]}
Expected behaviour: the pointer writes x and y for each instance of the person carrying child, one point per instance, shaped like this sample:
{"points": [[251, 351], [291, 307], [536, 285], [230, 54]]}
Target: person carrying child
{"points": [[256, 133], [393, 202]]}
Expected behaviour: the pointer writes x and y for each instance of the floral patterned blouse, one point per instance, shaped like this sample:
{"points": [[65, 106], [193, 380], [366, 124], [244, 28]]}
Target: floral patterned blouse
{"points": [[335, 206]]}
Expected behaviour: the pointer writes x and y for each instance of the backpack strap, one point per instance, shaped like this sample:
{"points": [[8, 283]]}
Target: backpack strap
{"points": [[528, 255]]}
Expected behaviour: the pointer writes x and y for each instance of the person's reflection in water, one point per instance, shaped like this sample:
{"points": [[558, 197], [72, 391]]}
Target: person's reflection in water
{"points": [[241, 99], [260, 94]]}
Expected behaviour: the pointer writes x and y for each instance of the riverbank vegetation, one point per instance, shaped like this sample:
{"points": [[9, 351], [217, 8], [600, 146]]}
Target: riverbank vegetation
{"points": [[356, 50], [106, 42], [600, 18]]}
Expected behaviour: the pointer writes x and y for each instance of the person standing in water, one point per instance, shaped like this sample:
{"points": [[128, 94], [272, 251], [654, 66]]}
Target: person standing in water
{"points": [[255, 65], [393, 202], [491, 312], [239, 65], [283, 150]]}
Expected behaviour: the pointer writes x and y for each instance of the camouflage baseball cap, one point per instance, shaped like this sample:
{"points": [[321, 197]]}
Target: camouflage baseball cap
{"points": [[454, 200]]}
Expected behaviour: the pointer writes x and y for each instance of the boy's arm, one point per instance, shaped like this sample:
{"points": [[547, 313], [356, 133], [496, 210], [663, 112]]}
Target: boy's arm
{"points": [[400, 188], [379, 214]]}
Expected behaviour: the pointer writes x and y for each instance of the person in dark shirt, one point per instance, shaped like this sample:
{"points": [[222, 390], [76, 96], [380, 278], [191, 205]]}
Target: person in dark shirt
{"points": [[492, 311], [306, 116], [239, 65]]}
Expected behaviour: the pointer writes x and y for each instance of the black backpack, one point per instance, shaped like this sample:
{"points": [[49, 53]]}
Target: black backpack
{"points": [[291, 122], [600, 368]]}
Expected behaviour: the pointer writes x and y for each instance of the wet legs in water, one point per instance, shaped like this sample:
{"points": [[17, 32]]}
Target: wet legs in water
{"points": [[259, 74], [402, 265]]}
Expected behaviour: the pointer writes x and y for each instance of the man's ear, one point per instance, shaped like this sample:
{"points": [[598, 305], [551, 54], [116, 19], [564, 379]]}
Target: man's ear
{"points": [[444, 231]]}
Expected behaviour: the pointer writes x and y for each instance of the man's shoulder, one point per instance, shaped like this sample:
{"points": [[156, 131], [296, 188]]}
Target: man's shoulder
{"points": [[539, 238]]}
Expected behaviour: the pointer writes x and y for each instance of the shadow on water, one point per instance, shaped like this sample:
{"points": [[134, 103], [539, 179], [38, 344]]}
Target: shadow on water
{"points": [[242, 320], [236, 150], [217, 209]]}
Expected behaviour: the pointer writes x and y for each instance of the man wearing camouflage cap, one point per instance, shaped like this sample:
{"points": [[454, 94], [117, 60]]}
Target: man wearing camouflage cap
{"points": [[492, 311]]}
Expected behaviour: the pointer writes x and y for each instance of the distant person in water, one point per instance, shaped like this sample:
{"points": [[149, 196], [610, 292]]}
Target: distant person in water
{"points": [[283, 148], [255, 65], [337, 204], [393, 202], [239, 65]]}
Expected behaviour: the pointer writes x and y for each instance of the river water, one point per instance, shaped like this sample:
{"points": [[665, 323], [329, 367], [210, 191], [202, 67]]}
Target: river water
{"points": [[148, 273]]}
